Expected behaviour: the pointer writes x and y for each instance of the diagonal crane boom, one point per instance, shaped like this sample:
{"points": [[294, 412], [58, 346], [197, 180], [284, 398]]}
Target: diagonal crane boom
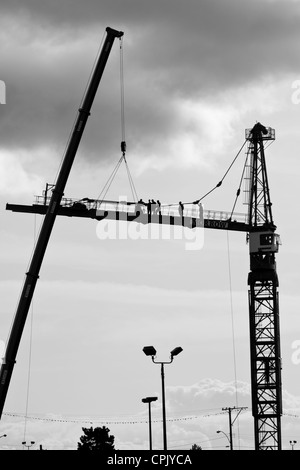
{"points": [[51, 213]]}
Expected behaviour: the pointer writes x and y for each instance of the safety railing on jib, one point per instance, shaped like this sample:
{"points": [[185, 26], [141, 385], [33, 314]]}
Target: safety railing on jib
{"points": [[191, 210]]}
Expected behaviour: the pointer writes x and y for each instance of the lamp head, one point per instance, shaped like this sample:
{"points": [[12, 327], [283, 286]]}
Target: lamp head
{"points": [[149, 351], [149, 399], [176, 351]]}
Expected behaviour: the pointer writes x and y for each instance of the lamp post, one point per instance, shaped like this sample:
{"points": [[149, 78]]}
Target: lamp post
{"points": [[226, 437], [28, 445], [293, 443], [151, 351], [149, 400]]}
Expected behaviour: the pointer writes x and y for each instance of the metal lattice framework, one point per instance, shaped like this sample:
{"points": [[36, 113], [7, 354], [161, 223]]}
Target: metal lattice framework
{"points": [[263, 300], [265, 363], [260, 207]]}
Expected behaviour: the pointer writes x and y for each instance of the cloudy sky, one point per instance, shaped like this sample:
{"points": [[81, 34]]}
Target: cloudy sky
{"points": [[196, 75]]}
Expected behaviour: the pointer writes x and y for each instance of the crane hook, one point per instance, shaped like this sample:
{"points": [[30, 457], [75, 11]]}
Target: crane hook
{"points": [[123, 147]]}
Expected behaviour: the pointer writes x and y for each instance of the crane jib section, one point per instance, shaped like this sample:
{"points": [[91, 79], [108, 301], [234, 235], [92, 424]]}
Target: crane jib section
{"points": [[129, 212]]}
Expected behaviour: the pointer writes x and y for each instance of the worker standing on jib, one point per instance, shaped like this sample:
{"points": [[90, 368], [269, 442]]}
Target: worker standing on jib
{"points": [[180, 209]]}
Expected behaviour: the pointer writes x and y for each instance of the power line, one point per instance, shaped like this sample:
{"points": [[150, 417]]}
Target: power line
{"points": [[108, 421], [230, 409]]}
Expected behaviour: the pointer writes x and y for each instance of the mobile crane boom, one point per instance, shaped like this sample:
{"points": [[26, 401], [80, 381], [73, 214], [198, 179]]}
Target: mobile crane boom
{"points": [[33, 273]]}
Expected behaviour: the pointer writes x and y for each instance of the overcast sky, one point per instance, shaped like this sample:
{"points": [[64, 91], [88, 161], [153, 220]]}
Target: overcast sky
{"points": [[196, 75]]}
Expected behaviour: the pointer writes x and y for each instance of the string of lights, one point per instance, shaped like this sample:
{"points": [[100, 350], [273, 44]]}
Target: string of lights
{"points": [[118, 421], [110, 421]]}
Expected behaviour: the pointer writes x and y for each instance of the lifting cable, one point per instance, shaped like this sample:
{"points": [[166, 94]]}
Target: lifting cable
{"points": [[107, 185], [123, 142], [219, 183], [122, 93], [239, 188], [232, 327], [224, 176], [30, 351]]}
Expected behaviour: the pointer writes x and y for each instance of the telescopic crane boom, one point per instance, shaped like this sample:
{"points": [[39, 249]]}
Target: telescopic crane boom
{"points": [[33, 273]]}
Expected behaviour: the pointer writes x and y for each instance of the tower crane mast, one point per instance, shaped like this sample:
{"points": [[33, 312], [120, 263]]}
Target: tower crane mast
{"points": [[263, 299]]}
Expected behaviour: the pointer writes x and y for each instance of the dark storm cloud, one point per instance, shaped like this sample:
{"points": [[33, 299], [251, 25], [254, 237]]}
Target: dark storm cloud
{"points": [[173, 50]]}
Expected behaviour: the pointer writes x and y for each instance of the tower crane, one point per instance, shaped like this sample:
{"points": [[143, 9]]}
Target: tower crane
{"points": [[263, 300], [258, 224]]}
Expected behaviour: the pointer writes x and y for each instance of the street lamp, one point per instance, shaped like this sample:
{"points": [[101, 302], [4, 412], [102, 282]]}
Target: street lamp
{"points": [[151, 351], [149, 400], [293, 443], [226, 436], [3, 435], [28, 445]]}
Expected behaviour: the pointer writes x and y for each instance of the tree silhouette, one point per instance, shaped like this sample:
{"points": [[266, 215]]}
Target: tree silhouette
{"points": [[96, 439], [196, 447]]}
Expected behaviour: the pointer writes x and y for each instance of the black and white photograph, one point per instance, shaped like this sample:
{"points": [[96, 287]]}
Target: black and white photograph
{"points": [[149, 246]]}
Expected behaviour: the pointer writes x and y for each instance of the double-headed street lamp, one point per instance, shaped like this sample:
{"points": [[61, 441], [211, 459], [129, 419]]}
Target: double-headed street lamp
{"points": [[151, 351], [149, 400], [28, 445], [293, 443]]}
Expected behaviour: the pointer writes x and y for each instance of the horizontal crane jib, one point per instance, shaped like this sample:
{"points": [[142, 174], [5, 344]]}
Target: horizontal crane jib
{"points": [[131, 212]]}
